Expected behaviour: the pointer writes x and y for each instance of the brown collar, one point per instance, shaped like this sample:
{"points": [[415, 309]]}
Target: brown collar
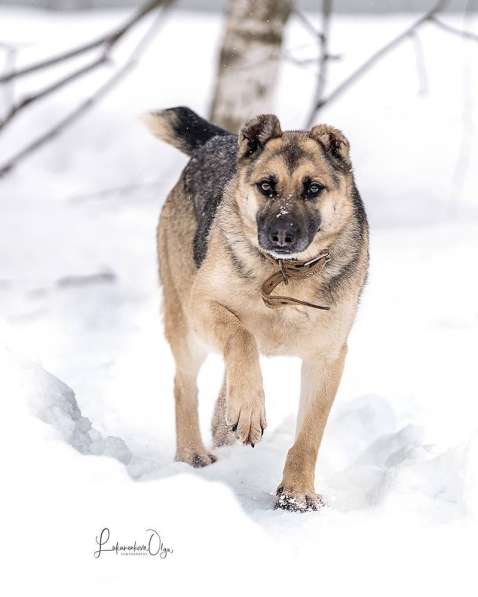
{"points": [[297, 270]]}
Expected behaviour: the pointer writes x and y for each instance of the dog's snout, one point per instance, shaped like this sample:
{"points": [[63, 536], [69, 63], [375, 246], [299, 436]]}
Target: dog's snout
{"points": [[283, 233]]}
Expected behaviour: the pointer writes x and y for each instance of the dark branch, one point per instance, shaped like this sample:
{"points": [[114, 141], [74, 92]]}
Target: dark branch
{"points": [[420, 60], [11, 57], [85, 105], [376, 57], [108, 41], [324, 55], [30, 99], [118, 191], [307, 24], [454, 30]]}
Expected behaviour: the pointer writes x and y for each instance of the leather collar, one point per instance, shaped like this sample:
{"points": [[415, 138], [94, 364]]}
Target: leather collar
{"points": [[296, 270]]}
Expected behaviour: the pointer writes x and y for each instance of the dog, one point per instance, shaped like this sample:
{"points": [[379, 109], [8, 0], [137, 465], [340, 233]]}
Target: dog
{"points": [[251, 212]]}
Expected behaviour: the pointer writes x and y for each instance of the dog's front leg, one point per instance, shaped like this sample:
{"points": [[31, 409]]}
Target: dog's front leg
{"points": [[320, 380], [245, 411]]}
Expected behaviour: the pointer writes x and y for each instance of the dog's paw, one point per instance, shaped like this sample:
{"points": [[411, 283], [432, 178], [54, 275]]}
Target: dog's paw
{"points": [[222, 435], [247, 418], [196, 458], [297, 501]]}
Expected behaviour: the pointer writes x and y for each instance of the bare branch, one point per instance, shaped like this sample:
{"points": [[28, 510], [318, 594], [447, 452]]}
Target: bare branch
{"points": [[30, 99], [420, 60], [466, 142], [102, 277], [108, 41], [8, 90], [323, 56], [87, 104], [376, 57], [118, 190], [307, 24], [454, 30], [308, 61]]}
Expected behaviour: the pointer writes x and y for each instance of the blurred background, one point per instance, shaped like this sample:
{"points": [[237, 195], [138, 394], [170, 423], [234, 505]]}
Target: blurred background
{"points": [[340, 6]]}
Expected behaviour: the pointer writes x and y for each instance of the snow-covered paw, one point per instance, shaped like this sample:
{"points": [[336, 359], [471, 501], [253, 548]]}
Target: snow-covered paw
{"points": [[196, 458], [296, 501], [247, 418], [223, 436]]}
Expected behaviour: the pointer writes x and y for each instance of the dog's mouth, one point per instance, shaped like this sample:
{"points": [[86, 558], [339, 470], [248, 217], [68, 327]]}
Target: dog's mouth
{"points": [[281, 254], [284, 248]]}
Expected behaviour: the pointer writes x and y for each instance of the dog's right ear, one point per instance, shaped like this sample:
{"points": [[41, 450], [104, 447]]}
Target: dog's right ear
{"points": [[333, 141], [256, 132]]}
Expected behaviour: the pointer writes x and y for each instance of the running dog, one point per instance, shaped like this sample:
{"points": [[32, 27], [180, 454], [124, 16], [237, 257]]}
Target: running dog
{"points": [[251, 213]]}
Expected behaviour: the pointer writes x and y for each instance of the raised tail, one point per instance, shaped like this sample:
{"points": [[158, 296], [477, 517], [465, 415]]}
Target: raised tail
{"points": [[182, 128]]}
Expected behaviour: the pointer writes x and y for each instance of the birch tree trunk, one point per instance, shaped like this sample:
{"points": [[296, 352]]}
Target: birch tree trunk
{"points": [[249, 60]]}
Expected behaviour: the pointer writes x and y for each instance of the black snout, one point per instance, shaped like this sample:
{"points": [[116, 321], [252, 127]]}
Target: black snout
{"points": [[286, 231], [283, 233]]}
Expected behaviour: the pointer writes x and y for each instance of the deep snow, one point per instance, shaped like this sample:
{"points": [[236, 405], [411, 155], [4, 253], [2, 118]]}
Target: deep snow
{"points": [[79, 300]]}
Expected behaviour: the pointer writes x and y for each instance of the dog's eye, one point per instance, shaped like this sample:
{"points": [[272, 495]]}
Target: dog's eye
{"points": [[312, 189], [266, 187]]}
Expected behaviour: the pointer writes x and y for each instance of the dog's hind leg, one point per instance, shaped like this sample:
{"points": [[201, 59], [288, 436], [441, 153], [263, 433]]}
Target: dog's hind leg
{"points": [[222, 433], [189, 356], [175, 231], [189, 444]]}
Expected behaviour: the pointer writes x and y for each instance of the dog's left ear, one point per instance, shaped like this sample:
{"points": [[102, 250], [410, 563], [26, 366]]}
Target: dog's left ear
{"points": [[333, 141], [256, 132]]}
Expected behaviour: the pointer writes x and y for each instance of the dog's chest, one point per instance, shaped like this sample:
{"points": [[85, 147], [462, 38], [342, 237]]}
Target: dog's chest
{"points": [[284, 330]]}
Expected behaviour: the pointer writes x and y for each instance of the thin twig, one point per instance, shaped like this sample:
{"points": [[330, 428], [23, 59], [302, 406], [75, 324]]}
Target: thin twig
{"points": [[307, 24], [86, 105], [420, 61], [30, 99], [9, 92], [11, 50], [108, 40], [467, 128], [454, 30], [323, 55], [374, 58], [309, 61], [118, 190]]}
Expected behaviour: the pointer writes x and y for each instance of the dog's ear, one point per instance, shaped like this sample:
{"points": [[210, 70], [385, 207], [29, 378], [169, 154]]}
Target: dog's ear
{"points": [[333, 141], [255, 133]]}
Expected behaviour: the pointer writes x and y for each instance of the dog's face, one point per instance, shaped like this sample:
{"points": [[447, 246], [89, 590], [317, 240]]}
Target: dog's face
{"points": [[294, 187]]}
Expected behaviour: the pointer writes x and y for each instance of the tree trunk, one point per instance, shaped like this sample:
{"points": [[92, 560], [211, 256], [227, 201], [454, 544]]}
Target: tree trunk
{"points": [[249, 60]]}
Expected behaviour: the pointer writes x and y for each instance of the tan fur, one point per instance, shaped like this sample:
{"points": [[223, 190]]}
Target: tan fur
{"points": [[212, 308]]}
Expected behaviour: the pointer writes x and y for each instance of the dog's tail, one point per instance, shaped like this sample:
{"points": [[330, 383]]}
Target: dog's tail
{"points": [[182, 128]]}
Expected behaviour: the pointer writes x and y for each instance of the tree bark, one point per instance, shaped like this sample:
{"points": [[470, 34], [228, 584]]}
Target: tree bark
{"points": [[249, 60]]}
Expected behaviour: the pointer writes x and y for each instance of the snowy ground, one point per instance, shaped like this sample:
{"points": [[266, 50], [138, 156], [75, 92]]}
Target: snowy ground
{"points": [[79, 299]]}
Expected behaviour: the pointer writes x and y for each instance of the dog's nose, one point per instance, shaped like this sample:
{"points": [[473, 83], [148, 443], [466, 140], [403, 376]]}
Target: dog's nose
{"points": [[283, 233]]}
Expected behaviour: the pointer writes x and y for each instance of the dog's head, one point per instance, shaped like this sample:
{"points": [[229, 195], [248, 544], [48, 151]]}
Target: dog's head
{"points": [[294, 188]]}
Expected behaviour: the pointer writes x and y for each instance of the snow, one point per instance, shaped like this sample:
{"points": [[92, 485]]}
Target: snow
{"points": [[53, 402], [85, 369]]}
